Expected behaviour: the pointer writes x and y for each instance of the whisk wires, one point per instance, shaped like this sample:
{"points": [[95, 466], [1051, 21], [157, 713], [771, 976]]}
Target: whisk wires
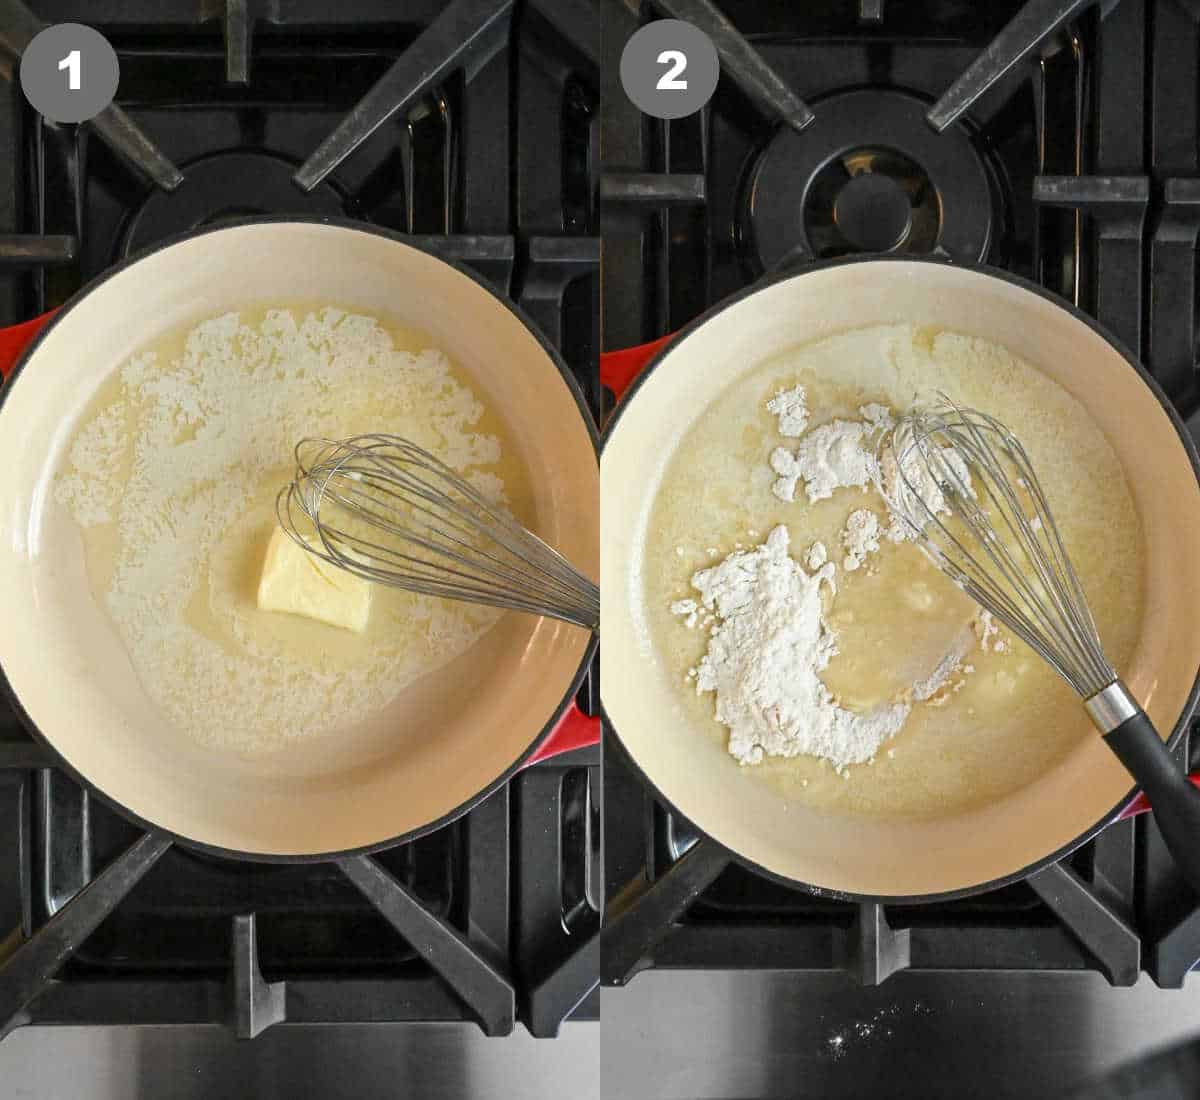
{"points": [[965, 487], [387, 510]]}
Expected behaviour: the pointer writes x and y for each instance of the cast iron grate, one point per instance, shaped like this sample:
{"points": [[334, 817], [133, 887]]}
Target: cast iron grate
{"points": [[438, 121], [1054, 114]]}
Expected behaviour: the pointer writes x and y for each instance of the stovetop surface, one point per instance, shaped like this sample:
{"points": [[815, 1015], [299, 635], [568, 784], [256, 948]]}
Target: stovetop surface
{"points": [[493, 166], [1077, 169]]}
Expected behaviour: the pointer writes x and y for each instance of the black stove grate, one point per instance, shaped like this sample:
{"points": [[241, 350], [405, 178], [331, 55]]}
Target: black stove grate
{"points": [[471, 127], [1067, 160]]}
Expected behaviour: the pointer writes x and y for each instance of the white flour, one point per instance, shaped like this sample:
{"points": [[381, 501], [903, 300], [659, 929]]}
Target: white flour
{"points": [[829, 457], [988, 631], [833, 456], [927, 690], [860, 537], [916, 490], [765, 656], [688, 609], [791, 408], [771, 640], [878, 415]]}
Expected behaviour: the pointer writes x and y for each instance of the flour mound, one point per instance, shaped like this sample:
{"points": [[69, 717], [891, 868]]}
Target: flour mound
{"points": [[764, 657], [834, 456], [771, 641]]}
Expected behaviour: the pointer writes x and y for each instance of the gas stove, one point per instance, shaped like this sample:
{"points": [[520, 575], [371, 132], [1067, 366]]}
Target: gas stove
{"points": [[473, 128], [1055, 140]]}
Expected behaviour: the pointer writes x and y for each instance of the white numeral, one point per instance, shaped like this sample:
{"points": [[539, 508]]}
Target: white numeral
{"points": [[669, 81], [72, 65]]}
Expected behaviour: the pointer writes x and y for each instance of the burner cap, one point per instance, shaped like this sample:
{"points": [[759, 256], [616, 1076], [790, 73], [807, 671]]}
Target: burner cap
{"points": [[869, 175], [873, 212], [223, 187]]}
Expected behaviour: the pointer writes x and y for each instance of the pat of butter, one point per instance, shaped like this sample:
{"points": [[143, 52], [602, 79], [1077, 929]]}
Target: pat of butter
{"points": [[295, 581]]}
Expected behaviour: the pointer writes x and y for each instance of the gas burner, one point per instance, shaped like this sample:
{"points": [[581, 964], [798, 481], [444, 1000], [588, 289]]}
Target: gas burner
{"points": [[871, 200], [223, 187], [843, 185]]}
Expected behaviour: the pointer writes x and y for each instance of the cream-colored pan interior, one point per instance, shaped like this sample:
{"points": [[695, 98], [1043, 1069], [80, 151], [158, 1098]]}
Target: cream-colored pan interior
{"points": [[446, 738], [696, 774]]}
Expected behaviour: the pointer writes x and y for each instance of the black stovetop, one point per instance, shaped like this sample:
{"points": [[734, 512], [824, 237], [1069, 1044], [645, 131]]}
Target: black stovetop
{"points": [[493, 164], [1075, 168]]}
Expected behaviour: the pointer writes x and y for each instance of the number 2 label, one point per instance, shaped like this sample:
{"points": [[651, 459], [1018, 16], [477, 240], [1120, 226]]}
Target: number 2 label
{"points": [[72, 64], [669, 81]]}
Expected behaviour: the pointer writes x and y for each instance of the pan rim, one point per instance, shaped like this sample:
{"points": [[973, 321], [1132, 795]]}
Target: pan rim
{"points": [[349, 224], [1190, 449]]}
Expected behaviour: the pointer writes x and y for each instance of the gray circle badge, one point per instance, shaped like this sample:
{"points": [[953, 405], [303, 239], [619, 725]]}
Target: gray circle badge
{"points": [[669, 68], [69, 72]]}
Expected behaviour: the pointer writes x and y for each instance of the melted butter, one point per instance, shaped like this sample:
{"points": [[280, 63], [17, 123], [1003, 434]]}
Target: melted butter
{"points": [[346, 676], [895, 621], [988, 732]]}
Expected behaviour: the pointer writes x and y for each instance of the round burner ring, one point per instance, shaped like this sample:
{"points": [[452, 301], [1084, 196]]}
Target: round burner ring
{"points": [[223, 187], [848, 172]]}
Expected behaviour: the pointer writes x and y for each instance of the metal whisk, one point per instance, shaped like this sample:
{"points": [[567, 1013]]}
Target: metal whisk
{"points": [[965, 487], [384, 509]]}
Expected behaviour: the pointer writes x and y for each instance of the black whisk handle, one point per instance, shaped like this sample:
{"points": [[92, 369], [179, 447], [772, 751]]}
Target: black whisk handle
{"points": [[1173, 798]]}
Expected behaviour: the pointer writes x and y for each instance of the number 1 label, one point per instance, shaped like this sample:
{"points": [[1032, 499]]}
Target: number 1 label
{"points": [[72, 64], [69, 72]]}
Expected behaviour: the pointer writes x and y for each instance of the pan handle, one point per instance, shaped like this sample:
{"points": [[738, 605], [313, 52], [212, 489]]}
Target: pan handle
{"points": [[574, 730], [1141, 804], [15, 339], [619, 369]]}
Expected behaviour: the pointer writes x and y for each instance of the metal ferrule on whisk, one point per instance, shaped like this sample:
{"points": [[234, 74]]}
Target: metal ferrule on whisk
{"points": [[1111, 707]]}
